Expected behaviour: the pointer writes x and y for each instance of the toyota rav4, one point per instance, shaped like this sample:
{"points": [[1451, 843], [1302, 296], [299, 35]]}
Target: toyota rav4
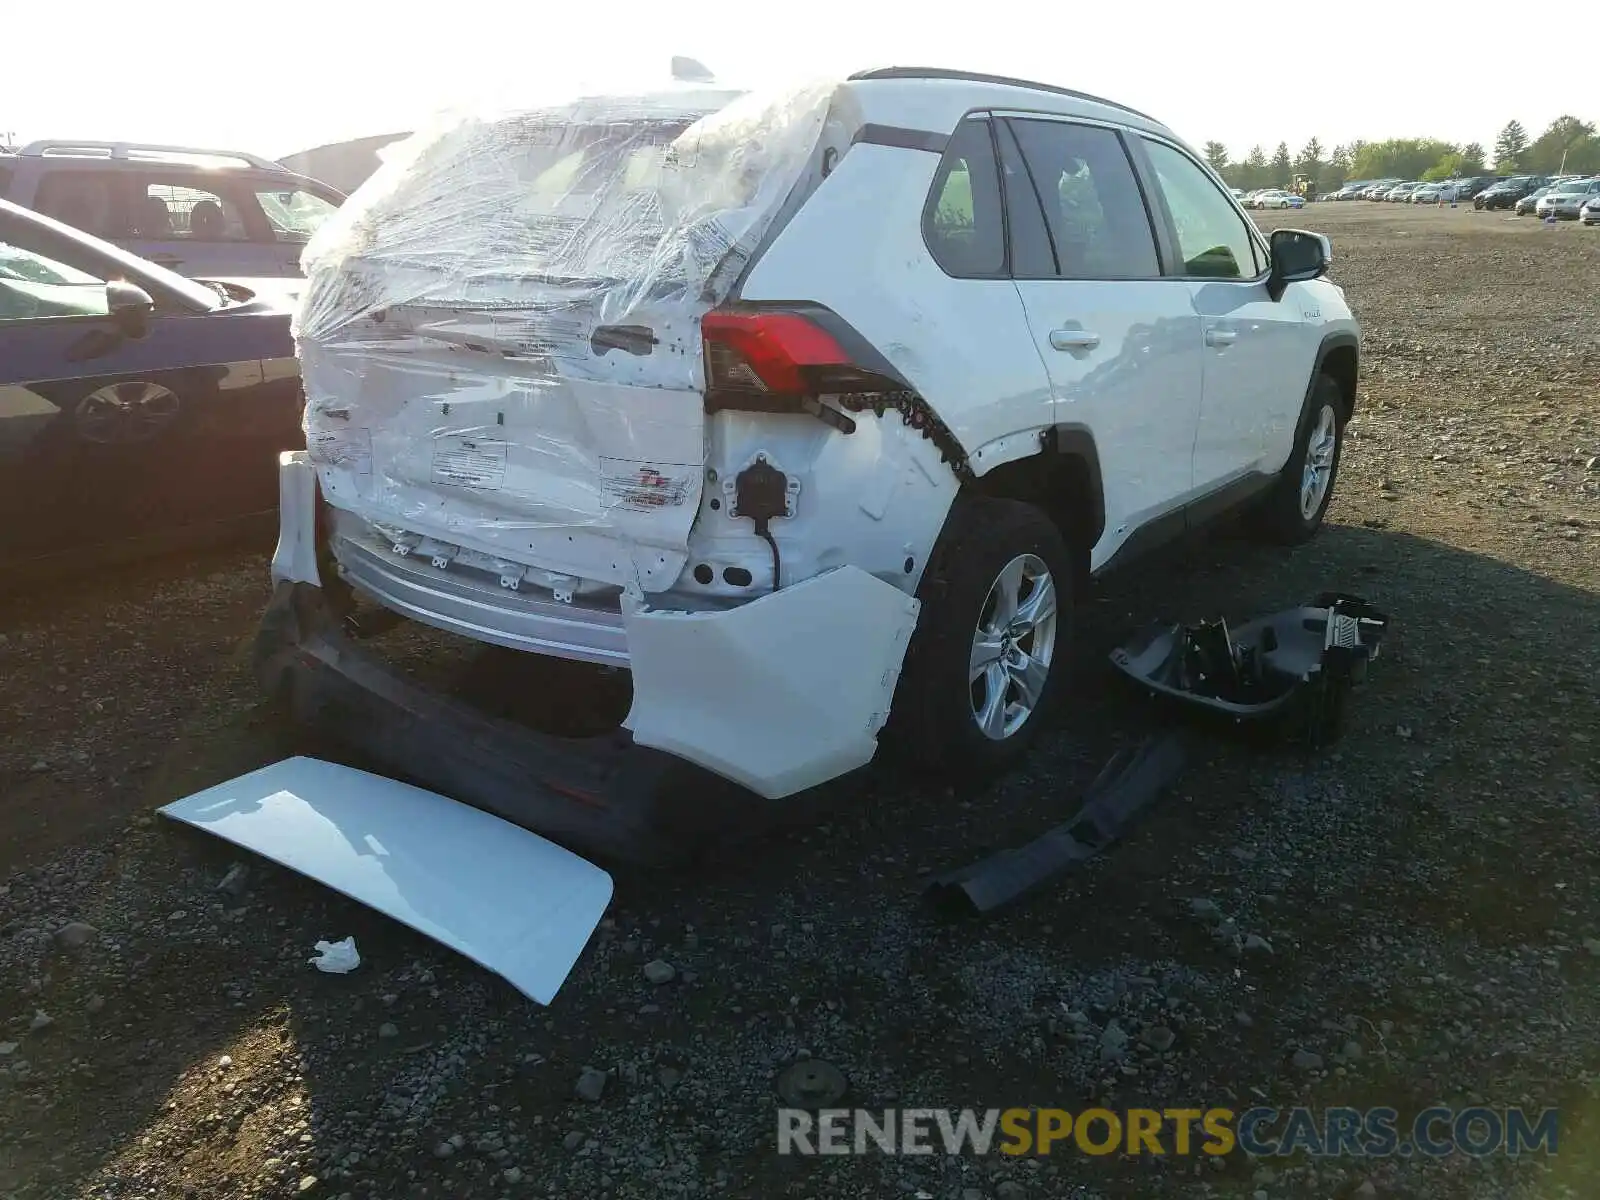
{"points": [[812, 412]]}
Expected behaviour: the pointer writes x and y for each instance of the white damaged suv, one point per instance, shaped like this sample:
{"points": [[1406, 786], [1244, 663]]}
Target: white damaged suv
{"points": [[812, 411]]}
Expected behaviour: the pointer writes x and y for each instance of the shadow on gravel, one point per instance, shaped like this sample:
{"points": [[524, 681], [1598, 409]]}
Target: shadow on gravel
{"points": [[1487, 680]]}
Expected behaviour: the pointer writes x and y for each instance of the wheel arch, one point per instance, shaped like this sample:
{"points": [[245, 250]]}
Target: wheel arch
{"points": [[1339, 358], [1063, 479]]}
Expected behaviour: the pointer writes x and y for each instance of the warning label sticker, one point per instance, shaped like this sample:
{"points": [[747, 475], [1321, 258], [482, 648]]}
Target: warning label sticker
{"points": [[347, 448], [469, 463], [643, 486]]}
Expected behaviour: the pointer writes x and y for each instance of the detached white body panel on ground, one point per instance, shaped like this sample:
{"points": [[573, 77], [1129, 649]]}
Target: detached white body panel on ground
{"points": [[508, 899]]}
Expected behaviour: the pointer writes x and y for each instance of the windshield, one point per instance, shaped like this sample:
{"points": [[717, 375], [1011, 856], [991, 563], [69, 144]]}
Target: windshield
{"points": [[17, 263], [33, 286], [294, 213]]}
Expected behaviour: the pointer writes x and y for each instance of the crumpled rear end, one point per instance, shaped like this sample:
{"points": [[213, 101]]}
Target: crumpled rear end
{"points": [[499, 335]]}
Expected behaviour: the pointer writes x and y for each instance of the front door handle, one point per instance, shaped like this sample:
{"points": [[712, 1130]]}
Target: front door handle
{"points": [[1221, 337], [165, 260], [1073, 339]]}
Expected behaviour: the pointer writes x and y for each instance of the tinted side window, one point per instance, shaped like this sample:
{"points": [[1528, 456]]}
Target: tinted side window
{"points": [[1092, 204], [167, 209], [1213, 239], [962, 223], [1033, 254], [86, 200]]}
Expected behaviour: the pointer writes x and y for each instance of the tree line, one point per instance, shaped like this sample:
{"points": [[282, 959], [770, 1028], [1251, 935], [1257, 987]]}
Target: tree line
{"points": [[1568, 144]]}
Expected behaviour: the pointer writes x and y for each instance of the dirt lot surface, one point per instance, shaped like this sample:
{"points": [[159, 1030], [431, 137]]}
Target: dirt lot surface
{"points": [[1409, 919]]}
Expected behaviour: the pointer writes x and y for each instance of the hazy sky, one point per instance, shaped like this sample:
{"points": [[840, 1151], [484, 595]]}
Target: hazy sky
{"points": [[275, 78]]}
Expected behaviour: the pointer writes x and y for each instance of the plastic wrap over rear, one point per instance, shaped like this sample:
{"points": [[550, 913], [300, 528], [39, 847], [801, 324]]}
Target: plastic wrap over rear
{"points": [[499, 334]]}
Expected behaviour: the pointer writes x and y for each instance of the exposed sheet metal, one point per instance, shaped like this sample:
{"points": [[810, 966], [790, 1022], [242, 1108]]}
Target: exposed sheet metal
{"points": [[506, 898]]}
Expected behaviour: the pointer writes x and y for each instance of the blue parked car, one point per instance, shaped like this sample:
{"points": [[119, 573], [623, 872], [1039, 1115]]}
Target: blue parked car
{"points": [[135, 404]]}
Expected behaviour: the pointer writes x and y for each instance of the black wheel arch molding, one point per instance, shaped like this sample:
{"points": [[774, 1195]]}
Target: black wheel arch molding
{"points": [[1339, 356], [1071, 440]]}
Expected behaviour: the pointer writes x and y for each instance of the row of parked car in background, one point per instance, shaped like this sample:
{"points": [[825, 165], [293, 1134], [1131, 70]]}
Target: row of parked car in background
{"points": [[1269, 198], [194, 211], [148, 376], [1563, 197]]}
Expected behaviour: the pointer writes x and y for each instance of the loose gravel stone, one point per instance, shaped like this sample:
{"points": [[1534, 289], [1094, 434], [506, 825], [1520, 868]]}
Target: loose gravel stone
{"points": [[75, 935], [1158, 1037], [591, 1085], [1306, 1060]]}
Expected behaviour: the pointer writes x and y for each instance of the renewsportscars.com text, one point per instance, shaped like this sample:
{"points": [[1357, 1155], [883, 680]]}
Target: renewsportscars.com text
{"points": [[1259, 1132]]}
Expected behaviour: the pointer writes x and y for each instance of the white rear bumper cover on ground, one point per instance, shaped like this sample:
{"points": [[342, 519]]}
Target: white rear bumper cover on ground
{"points": [[508, 899]]}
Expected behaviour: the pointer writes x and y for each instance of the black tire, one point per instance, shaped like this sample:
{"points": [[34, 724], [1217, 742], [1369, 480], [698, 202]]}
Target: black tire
{"points": [[933, 722], [1281, 517]]}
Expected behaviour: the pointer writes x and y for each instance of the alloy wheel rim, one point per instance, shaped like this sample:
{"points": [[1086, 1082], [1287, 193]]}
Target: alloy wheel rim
{"points": [[1013, 647], [125, 412], [1317, 476]]}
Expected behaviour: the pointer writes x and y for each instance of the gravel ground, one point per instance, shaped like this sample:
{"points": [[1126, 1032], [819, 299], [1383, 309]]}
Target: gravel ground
{"points": [[1411, 918]]}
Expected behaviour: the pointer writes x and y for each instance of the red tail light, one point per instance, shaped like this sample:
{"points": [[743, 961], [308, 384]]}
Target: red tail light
{"points": [[778, 352]]}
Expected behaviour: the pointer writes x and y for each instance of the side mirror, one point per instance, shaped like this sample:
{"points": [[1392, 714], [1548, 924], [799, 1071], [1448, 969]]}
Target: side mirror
{"points": [[1297, 255], [130, 307]]}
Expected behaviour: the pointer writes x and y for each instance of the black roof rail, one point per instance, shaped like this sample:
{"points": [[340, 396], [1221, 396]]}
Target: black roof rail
{"points": [[1005, 80]]}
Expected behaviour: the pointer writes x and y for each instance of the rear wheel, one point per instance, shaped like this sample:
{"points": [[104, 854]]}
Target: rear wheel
{"points": [[1293, 510], [987, 663]]}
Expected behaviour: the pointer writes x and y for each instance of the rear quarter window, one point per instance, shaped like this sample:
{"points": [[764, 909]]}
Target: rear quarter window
{"points": [[88, 200], [962, 223]]}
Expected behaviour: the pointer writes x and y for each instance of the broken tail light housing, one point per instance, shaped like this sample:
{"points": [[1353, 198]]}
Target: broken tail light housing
{"points": [[784, 360], [779, 356]]}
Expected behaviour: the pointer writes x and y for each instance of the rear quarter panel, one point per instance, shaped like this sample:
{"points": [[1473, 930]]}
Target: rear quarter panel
{"points": [[963, 344]]}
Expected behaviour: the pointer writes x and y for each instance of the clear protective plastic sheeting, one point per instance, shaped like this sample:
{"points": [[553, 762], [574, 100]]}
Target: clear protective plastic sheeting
{"points": [[499, 335]]}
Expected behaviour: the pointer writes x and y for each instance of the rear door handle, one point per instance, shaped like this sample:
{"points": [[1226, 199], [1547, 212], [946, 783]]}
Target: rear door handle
{"points": [[165, 260], [1221, 337], [1073, 339]]}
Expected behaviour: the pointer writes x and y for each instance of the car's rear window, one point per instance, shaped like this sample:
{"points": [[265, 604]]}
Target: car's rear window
{"points": [[589, 209]]}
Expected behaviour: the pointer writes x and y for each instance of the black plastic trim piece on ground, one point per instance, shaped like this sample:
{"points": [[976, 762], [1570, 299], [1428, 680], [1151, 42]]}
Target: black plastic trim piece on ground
{"points": [[1124, 789], [1290, 672], [606, 796]]}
